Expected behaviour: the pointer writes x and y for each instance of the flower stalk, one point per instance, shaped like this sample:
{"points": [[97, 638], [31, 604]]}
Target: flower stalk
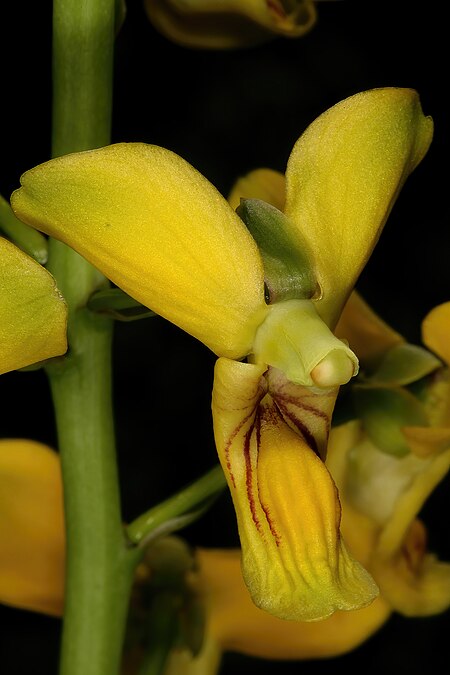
{"points": [[178, 510], [99, 565]]}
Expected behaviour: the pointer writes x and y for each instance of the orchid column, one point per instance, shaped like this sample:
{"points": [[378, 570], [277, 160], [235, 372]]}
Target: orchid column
{"points": [[99, 567]]}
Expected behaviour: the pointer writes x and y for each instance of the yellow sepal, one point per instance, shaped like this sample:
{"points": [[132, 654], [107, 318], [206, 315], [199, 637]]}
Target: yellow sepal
{"points": [[160, 231], [436, 331], [427, 441], [33, 314]]}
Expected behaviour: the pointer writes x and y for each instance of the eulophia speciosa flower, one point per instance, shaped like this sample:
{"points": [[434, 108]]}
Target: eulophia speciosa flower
{"points": [[33, 314], [230, 24], [160, 231], [388, 462]]}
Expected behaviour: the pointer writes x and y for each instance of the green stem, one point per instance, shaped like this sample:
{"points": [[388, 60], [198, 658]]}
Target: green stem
{"points": [[99, 565], [83, 49], [173, 509]]}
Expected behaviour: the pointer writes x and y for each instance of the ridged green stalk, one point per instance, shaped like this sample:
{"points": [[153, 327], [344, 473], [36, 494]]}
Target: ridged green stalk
{"points": [[100, 564]]}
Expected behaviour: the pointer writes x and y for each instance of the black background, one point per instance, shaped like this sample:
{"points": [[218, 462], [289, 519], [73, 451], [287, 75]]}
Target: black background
{"points": [[227, 113]]}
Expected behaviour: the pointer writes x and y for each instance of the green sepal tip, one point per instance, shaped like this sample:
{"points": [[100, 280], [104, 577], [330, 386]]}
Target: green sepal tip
{"points": [[288, 265]]}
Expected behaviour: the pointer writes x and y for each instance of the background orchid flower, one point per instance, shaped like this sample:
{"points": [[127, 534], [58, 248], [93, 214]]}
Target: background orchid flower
{"points": [[32, 562], [160, 231], [389, 461], [229, 24], [33, 314]]}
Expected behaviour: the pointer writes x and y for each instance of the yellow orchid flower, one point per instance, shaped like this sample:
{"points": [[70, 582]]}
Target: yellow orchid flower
{"points": [[230, 24], [160, 231], [33, 312], [32, 548], [385, 479]]}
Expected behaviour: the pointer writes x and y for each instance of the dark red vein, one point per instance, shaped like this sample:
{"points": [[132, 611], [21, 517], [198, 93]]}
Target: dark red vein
{"points": [[301, 426]]}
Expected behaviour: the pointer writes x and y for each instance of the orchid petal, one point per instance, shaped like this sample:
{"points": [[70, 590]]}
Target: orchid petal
{"points": [[265, 184], [295, 563], [436, 398], [384, 411], [411, 500], [376, 480], [436, 331], [359, 530], [160, 231], [33, 312], [229, 24], [427, 441], [343, 176], [414, 582], [404, 364], [367, 334], [32, 536]]}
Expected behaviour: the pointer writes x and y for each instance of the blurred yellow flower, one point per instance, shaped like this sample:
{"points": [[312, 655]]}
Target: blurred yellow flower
{"points": [[32, 541], [385, 475]]}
